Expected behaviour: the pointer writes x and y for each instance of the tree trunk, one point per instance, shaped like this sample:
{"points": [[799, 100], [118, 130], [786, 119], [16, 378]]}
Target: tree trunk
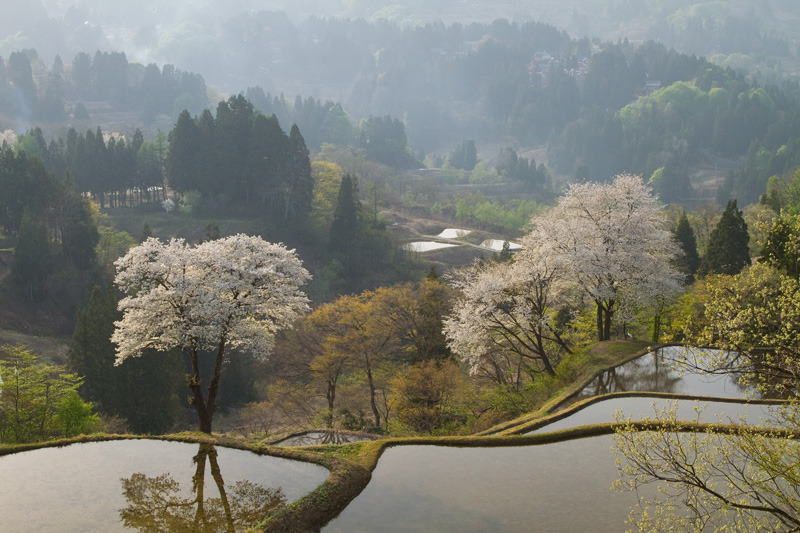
{"points": [[197, 400], [543, 356], [213, 385], [330, 395], [599, 321], [604, 313], [373, 404]]}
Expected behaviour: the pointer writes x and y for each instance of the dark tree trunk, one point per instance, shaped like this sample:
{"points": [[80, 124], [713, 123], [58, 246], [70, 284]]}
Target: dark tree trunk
{"points": [[609, 312], [205, 407], [373, 404]]}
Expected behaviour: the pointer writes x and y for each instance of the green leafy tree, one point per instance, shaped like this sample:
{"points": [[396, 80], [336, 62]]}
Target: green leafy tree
{"points": [[75, 416], [35, 399], [727, 251], [736, 477], [781, 246]]}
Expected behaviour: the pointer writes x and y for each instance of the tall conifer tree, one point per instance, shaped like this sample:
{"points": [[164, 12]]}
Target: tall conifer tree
{"points": [[727, 251], [689, 262]]}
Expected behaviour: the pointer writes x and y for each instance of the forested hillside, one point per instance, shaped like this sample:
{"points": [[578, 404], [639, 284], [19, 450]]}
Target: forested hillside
{"points": [[350, 139], [599, 108]]}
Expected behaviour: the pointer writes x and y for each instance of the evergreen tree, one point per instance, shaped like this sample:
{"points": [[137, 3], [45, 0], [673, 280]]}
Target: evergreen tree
{"points": [[79, 235], [727, 251], [347, 231], [31, 257], [146, 232], [436, 302], [689, 261], [347, 219], [301, 183], [91, 353], [183, 152], [143, 390], [465, 157], [147, 394]]}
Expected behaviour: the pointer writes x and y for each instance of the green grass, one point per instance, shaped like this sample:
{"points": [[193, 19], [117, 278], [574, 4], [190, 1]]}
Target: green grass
{"points": [[177, 224]]}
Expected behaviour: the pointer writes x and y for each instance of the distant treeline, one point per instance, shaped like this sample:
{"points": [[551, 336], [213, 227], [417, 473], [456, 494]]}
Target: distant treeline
{"points": [[602, 108], [243, 157], [239, 157], [32, 93]]}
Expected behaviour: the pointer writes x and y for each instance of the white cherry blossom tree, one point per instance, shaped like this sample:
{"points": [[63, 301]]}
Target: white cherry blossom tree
{"points": [[235, 292], [612, 242], [506, 311]]}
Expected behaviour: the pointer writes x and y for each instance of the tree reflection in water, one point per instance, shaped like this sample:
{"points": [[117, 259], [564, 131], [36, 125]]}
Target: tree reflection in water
{"points": [[155, 503], [651, 372]]}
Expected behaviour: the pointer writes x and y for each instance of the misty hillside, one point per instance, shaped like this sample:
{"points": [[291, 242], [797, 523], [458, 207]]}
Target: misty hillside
{"points": [[237, 44]]}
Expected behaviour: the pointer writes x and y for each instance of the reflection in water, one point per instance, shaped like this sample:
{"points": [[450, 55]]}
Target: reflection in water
{"points": [[657, 372], [156, 503], [312, 438]]}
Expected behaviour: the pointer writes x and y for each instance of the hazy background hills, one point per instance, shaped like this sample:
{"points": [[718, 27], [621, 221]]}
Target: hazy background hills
{"points": [[213, 38]]}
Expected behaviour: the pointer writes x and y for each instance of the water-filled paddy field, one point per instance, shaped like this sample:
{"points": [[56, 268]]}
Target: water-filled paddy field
{"points": [[99, 486]]}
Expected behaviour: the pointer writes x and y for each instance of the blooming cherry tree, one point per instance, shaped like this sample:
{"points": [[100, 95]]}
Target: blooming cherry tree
{"points": [[612, 242], [506, 310], [235, 292]]}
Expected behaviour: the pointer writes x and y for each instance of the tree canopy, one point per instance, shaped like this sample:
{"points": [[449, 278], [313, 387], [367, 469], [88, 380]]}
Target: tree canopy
{"points": [[610, 240], [226, 294]]}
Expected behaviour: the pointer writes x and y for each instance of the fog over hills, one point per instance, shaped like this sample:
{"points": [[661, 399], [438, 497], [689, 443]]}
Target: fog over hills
{"points": [[212, 37], [585, 88]]}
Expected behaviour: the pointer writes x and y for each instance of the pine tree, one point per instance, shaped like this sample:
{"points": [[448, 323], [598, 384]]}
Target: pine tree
{"points": [[301, 183], [689, 261], [347, 221], [727, 251]]}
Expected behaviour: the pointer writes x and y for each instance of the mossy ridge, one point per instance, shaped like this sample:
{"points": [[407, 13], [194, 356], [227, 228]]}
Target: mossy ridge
{"points": [[601, 358]]}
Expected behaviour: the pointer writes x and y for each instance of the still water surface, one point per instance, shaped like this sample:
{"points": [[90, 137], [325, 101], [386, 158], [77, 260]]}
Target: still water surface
{"points": [[639, 408], [657, 372], [315, 438], [551, 487], [101, 486], [564, 486]]}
